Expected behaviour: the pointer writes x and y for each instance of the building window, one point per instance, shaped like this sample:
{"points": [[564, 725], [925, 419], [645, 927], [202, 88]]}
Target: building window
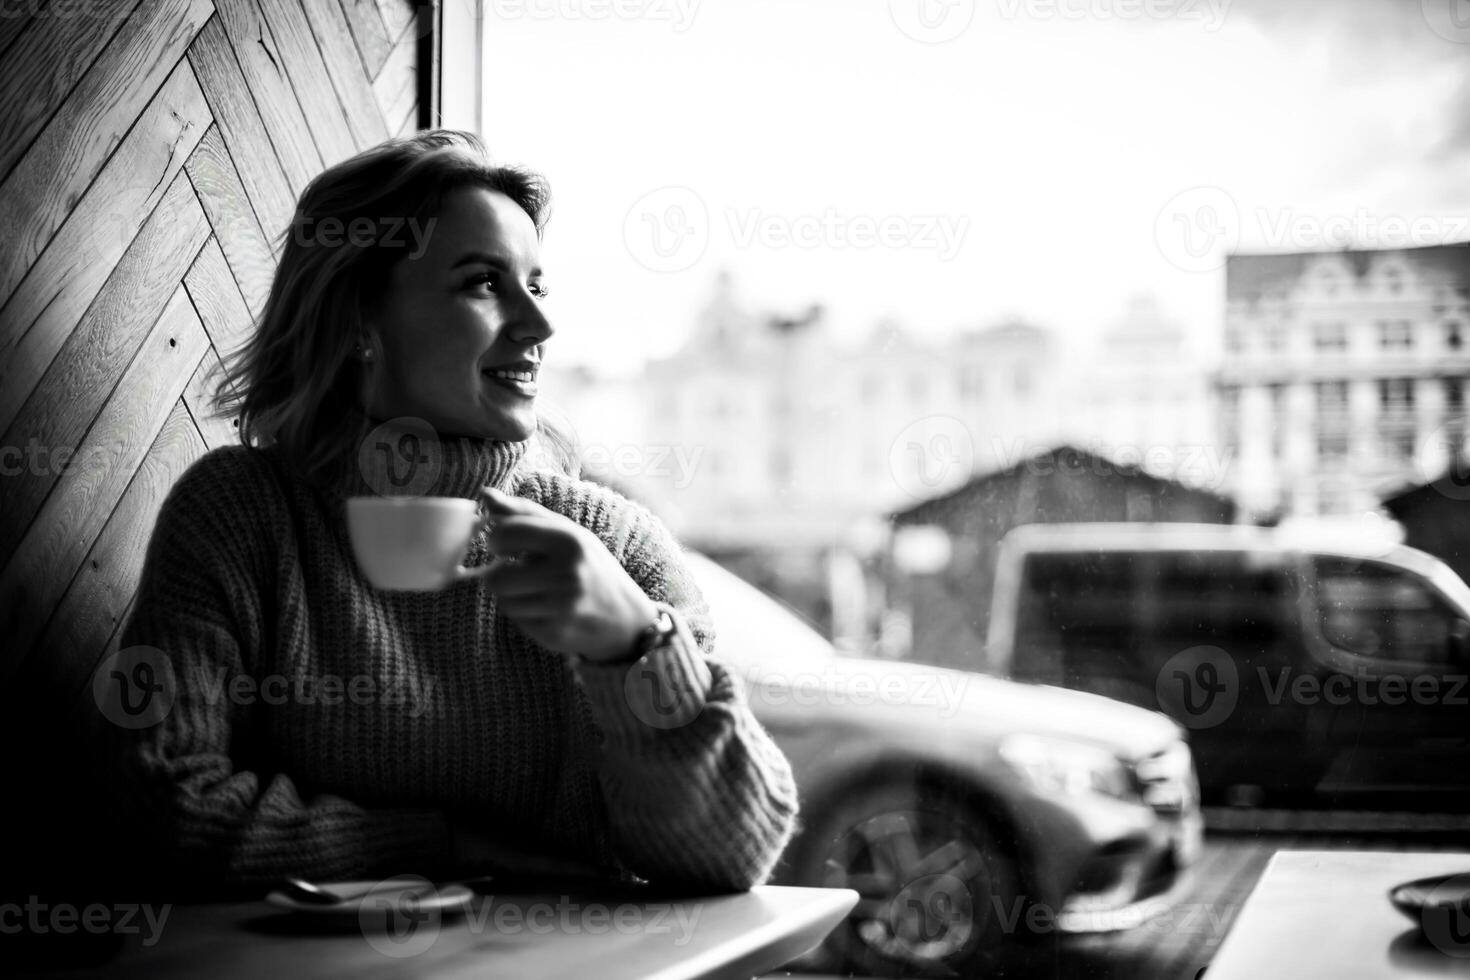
{"points": [[1395, 334], [1452, 336], [1332, 442], [1234, 340], [1454, 396], [1278, 419], [1275, 336], [1398, 443], [1230, 417], [1396, 395], [1330, 336], [1332, 398]]}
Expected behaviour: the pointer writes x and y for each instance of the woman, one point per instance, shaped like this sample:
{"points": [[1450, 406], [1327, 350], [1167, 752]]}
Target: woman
{"points": [[564, 710]]}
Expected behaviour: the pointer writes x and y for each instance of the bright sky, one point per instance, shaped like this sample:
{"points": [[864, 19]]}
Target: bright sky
{"points": [[1031, 165]]}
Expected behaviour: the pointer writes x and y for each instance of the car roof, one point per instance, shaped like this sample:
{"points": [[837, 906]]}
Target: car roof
{"points": [[1166, 536]]}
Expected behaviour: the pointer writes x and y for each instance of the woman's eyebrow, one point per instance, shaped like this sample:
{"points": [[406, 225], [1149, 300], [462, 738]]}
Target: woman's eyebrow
{"points": [[483, 258]]}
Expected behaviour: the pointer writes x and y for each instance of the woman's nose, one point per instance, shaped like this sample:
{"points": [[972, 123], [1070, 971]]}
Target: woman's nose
{"points": [[531, 325]]}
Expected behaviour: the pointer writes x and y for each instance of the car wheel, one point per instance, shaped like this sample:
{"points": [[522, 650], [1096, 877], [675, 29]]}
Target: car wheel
{"points": [[937, 884]]}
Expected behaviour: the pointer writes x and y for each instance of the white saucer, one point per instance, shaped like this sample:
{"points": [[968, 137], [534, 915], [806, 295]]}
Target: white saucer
{"points": [[384, 895]]}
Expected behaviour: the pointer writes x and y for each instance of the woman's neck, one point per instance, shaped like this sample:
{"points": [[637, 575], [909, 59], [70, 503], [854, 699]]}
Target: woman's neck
{"points": [[407, 457]]}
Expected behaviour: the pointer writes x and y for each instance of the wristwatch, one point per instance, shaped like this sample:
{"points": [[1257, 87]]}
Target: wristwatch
{"points": [[656, 634]]}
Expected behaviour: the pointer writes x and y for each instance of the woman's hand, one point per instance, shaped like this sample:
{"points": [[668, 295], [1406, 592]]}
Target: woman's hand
{"points": [[563, 588]]}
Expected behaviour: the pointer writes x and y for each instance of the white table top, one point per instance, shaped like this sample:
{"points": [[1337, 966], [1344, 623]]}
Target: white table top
{"points": [[1327, 914]]}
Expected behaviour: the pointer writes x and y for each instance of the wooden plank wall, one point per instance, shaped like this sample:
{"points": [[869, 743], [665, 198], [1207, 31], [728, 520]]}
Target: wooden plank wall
{"points": [[150, 157]]}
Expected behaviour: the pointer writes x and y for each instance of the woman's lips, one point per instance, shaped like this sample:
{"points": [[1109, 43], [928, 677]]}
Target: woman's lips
{"points": [[522, 383]]}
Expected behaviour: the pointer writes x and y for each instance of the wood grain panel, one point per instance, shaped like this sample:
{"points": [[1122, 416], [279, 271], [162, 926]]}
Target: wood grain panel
{"points": [[97, 352], [44, 186], [217, 300], [38, 574], [369, 33], [260, 62], [151, 155], [212, 173], [233, 109], [303, 64], [410, 122], [89, 616], [11, 26], [349, 78], [398, 16], [216, 429], [67, 277], [49, 56], [396, 86]]}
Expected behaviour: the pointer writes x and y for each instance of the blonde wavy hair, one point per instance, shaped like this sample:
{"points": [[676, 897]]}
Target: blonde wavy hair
{"points": [[296, 383]]}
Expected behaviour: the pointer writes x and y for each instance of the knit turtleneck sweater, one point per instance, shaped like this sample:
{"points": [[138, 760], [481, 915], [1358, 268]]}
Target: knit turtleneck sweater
{"points": [[321, 727]]}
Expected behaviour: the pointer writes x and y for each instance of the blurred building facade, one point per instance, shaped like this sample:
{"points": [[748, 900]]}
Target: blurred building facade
{"points": [[803, 441], [1344, 375], [1144, 397]]}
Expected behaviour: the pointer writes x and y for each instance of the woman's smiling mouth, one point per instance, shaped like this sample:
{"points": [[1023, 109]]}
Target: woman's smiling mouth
{"points": [[520, 381]]}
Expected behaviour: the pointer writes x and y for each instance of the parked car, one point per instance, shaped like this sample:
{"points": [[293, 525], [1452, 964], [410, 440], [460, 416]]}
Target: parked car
{"points": [[966, 810], [1329, 673]]}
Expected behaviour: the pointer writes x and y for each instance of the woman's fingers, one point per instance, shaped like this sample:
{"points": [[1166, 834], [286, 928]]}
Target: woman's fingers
{"points": [[510, 577], [539, 535]]}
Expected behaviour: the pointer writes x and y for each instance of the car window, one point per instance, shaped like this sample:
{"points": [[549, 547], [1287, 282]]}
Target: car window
{"points": [[1375, 610]]}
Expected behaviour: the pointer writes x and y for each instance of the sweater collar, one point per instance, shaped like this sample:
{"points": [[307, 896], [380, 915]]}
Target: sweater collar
{"points": [[406, 457]]}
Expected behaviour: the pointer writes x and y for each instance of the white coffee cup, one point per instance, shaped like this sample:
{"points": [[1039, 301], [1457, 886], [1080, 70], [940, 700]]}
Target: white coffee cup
{"points": [[413, 543]]}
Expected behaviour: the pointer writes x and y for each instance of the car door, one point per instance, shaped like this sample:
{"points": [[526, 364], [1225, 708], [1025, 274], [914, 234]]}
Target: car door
{"points": [[1399, 695], [1218, 628]]}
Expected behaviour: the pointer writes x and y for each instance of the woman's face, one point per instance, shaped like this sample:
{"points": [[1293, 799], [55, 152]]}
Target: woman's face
{"points": [[457, 317]]}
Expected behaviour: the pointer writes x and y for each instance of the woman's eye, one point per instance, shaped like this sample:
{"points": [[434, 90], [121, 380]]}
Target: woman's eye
{"points": [[540, 290], [485, 278]]}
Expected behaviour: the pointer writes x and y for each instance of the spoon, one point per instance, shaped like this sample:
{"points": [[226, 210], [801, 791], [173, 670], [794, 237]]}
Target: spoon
{"points": [[304, 891]]}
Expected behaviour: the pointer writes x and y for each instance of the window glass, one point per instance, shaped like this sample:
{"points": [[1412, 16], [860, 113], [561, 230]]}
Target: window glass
{"points": [[1376, 610]]}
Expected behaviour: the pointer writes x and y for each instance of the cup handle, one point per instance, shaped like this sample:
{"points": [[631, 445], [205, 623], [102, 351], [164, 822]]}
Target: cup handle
{"points": [[463, 574]]}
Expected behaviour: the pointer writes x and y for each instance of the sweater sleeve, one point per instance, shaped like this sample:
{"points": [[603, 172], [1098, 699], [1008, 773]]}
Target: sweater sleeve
{"points": [[193, 786], [696, 789]]}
